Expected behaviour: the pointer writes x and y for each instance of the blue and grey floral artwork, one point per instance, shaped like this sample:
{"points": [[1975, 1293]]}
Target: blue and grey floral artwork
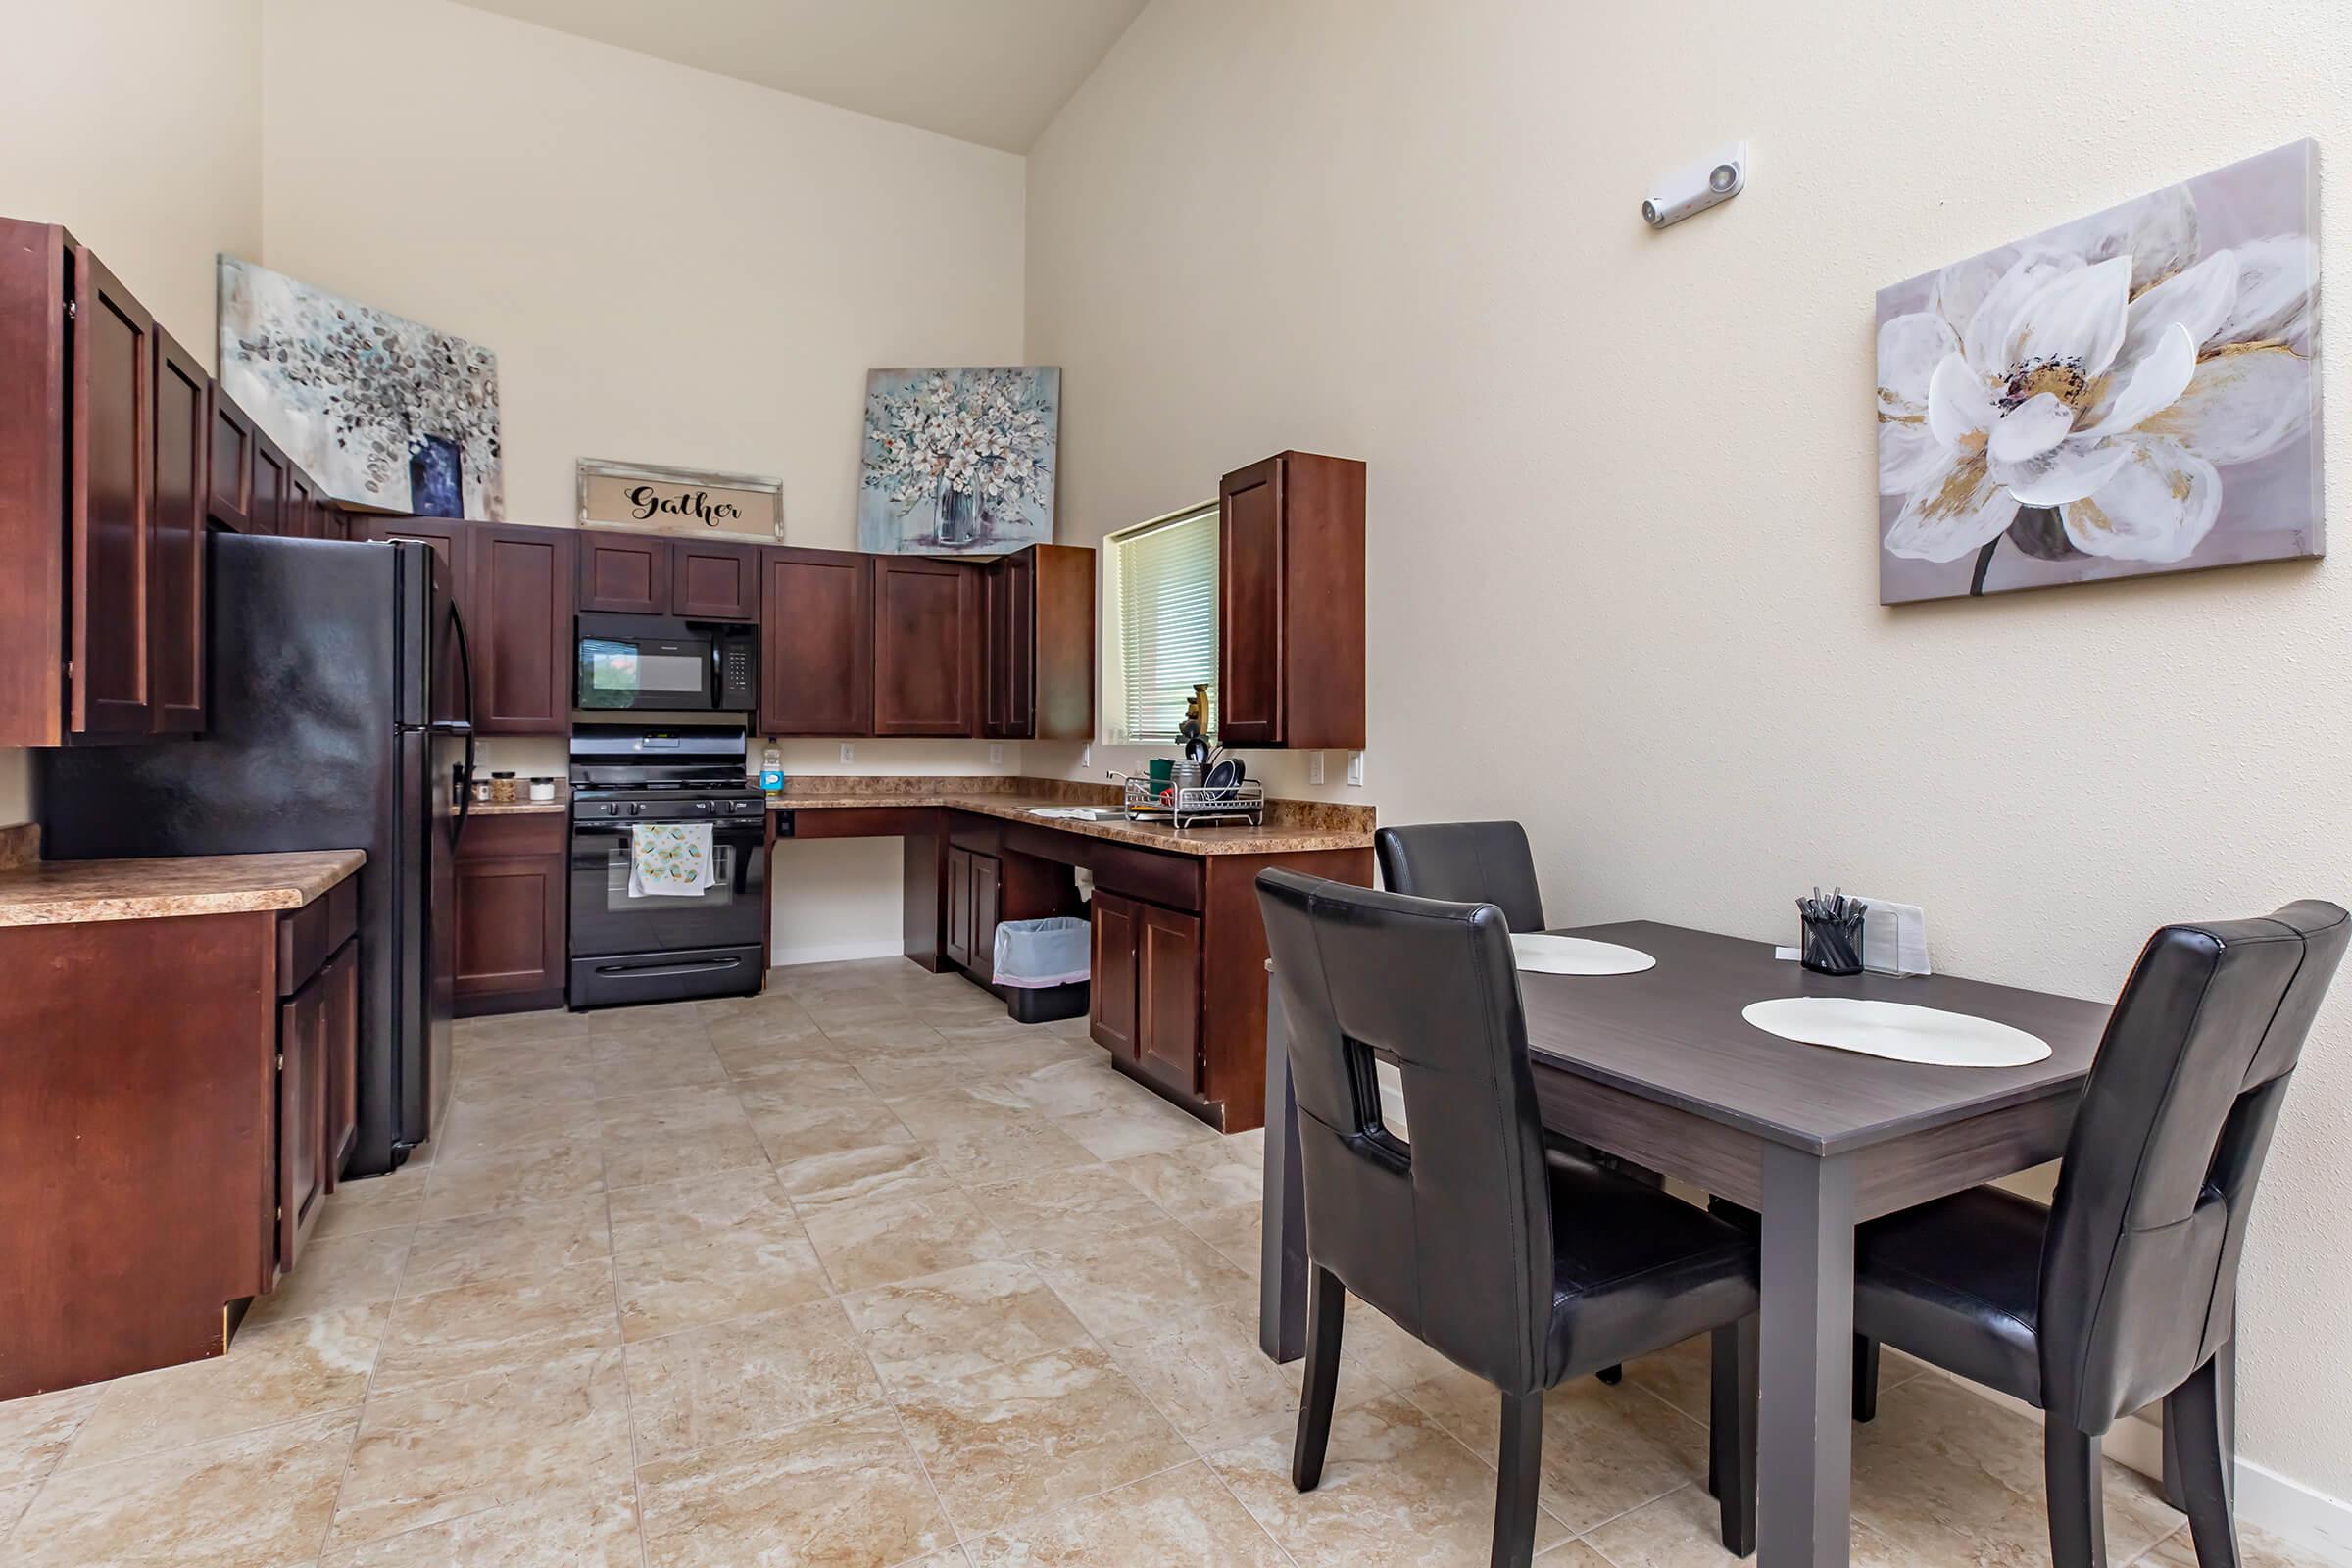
{"points": [[958, 462], [382, 411]]}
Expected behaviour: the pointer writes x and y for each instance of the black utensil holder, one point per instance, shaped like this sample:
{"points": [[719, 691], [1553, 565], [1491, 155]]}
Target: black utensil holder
{"points": [[1833, 945]]}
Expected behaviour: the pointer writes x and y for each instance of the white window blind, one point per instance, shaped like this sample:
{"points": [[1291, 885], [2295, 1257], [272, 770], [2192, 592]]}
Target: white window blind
{"points": [[1167, 607]]}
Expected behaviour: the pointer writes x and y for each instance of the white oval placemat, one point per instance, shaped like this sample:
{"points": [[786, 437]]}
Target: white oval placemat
{"points": [[1578, 956], [1897, 1031]]}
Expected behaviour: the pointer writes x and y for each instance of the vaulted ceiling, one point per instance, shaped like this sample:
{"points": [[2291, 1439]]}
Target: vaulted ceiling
{"points": [[993, 71]]}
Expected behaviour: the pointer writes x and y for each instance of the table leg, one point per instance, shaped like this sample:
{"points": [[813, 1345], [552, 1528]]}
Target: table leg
{"points": [[1806, 1458], [1282, 1248]]}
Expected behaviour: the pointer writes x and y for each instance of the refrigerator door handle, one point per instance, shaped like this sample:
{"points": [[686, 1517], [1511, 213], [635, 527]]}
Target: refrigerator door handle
{"points": [[457, 829]]}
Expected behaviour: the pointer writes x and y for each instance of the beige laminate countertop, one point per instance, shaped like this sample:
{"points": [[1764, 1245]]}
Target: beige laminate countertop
{"points": [[76, 892], [1240, 840], [555, 808]]}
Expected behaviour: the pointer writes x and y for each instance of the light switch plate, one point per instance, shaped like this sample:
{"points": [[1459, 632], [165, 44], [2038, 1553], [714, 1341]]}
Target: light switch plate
{"points": [[849, 753], [1355, 768], [1314, 768], [1086, 755], [995, 752]]}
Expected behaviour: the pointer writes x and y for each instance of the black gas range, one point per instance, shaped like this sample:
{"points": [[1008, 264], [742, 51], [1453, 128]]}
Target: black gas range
{"points": [[631, 943]]}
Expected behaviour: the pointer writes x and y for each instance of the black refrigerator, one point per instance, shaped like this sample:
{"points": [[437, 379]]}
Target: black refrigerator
{"points": [[339, 705]]}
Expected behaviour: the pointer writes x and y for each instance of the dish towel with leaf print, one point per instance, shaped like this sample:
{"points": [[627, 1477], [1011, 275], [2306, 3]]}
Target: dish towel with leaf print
{"points": [[668, 859]]}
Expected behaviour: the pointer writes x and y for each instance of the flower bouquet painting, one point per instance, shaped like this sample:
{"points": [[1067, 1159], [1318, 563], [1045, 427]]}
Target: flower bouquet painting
{"points": [[2134, 392], [958, 462], [382, 411]]}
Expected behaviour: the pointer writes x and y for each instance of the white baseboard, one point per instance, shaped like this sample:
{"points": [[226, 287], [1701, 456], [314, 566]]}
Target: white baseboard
{"points": [[842, 952], [2320, 1525]]}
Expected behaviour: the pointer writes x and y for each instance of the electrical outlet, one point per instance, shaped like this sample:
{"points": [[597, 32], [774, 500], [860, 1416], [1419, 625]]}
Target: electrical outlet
{"points": [[849, 753], [1314, 768], [995, 752], [1355, 768], [1086, 755]]}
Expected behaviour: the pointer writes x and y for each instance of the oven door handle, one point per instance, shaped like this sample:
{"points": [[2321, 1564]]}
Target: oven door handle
{"points": [[646, 971], [736, 832]]}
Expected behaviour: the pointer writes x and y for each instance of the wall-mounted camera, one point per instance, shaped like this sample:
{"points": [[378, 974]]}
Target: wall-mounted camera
{"points": [[1697, 187]]}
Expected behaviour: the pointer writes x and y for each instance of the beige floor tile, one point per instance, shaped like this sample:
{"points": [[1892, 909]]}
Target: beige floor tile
{"points": [[1386, 1351], [535, 1238], [1012, 1441], [498, 1325], [979, 1158], [1184, 1516], [1948, 1477], [1397, 1491], [305, 1367], [807, 1084], [845, 1492], [1685, 1529], [964, 1320], [789, 1134], [747, 1059], [259, 1500], [908, 1070], [1207, 1376], [850, 1175], [1123, 1286], [1679, 1374], [374, 1203], [1006, 1057], [671, 1137], [1235, 1233], [35, 1431], [565, 1526], [344, 1271], [1573, 1554], [650, 1069], [964, 1112], [556, 1070], [755, 1268], [476, 1127], [1075, 1086], [2257, 1548], [1198, 1179], [659, 1024], [673, 1211], [527, 1173], [534, 1435], [1148, 1126], [1606, 1449], [522, 1028], [745, 1378], [883, 1240], [777, 1023], [1067, 1205], [14, 1500]]}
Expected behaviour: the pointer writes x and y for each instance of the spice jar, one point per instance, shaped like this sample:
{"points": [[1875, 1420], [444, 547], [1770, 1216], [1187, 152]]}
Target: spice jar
{"points": [[481, 788], [502, 791], [543, 789]]}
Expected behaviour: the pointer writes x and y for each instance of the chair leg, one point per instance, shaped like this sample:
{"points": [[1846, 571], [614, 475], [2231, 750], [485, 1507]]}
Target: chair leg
{"points": [[2070, 1462], [1518, 1465], [2200, 1421], [1866, 1379], [1732, 1434], [1611, 1375], [1326, 1304]]}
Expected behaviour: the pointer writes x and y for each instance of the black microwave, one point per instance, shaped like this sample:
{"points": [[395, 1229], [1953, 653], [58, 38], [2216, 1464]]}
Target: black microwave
{"points": [[664, 665]]}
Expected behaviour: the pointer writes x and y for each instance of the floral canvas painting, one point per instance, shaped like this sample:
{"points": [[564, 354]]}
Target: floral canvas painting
{"points": [[2134, 392], [958, 462], [382, 411]]}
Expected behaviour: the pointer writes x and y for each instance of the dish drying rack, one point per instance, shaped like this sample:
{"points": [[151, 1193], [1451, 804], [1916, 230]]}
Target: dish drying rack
{"points": [[1196, 806]]}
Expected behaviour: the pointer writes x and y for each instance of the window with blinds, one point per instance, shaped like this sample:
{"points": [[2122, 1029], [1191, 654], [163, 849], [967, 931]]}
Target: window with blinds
{"points": [[1164, 591]]}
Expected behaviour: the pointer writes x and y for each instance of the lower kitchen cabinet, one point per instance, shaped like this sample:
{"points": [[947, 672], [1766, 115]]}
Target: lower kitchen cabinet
{"points": [[178, 1098], [1147, 989], [511, 911], [974, 889]]}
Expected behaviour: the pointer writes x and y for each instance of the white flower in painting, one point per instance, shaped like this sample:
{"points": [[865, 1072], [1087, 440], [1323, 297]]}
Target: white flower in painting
{"points": [[2079, 393]]}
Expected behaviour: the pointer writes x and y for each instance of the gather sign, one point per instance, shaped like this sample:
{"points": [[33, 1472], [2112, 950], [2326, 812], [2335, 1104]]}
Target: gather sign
{"points": [[645, 499]]}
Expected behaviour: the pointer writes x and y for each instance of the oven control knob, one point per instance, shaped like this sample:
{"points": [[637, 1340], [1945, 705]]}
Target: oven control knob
{"points": [[703, 806], [636, 808], [611, 808]]}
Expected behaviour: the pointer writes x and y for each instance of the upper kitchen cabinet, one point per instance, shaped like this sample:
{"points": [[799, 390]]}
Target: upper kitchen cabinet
{"points": [[104, 473], [1038, 671], [646, 574], [817, 642], [517, 600], [230, 501], [1291, 603], [927, 646]]}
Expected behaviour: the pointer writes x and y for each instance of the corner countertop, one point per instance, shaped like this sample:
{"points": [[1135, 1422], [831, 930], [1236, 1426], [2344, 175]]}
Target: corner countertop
{"points": [[1322, 827], [77, 892], [525, 807]]}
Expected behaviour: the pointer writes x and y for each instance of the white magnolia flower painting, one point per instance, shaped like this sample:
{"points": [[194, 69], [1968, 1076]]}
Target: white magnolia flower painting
{"points": [[2134, 392], [959, 462]]}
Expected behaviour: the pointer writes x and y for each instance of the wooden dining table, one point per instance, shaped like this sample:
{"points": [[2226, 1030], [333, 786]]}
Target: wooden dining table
{"points": [[1660, 1068]]}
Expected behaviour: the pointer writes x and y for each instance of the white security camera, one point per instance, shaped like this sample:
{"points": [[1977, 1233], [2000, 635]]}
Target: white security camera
{"points": [[1696, 188]]}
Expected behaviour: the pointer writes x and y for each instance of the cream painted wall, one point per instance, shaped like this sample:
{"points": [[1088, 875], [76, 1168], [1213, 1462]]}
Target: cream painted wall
{"points": [[1622, 575], [139, 127]]}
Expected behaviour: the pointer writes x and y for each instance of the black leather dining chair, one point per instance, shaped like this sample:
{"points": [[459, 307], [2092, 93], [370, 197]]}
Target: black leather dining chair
{"points": [[2125, 1290], [1521, 1270]]}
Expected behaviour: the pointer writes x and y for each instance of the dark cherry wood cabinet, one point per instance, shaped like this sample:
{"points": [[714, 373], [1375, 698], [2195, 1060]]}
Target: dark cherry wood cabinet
{"points": [[975, 883], [177, 546], [1039, 665], [1111, 985], [232, 493], [624, 573], [110, 506], [1145, 997], [273, 486], [1291, 603], [927, 646], [510, 913], [710, 579], [817, 642], [957, 946], [341, 982], [517, 602]]}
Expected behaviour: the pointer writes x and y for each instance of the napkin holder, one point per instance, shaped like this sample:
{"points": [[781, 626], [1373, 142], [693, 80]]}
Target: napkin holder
{"points": [[1894, 938]]}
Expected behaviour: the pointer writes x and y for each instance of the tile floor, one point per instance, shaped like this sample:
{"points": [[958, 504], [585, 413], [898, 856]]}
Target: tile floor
{"points": [[859, 1272]]}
